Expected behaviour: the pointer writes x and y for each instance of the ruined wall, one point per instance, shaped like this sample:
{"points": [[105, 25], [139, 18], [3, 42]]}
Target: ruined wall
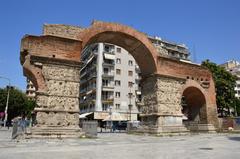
{"points": [[61, 30], [52, 47]]}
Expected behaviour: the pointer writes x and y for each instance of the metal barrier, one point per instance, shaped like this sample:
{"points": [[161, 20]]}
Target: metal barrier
{"points": [[236, 123], [229, 122], [90, 128]]}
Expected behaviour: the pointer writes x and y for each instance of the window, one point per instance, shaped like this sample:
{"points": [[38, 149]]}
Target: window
{"points": [[117, 94], [117, 106], [105, 82], [117, 83], [130, 73], [130, 95], [119, 50], [107, 48], [118, 71], [105, 107], [118, 61], [130, 62], [105, 70], [130, 84]]}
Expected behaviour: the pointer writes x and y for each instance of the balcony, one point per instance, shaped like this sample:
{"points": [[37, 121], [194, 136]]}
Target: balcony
{"points": [[83, 91], [176, 48], [108, 74], [106, 63], [111, 52], [107, 99], [108, 88], [82, 74], [93, 75]]}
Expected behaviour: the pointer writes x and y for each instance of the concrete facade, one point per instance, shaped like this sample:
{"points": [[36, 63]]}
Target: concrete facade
{"points": [[164, 79], [30, 90], [108, 75]]}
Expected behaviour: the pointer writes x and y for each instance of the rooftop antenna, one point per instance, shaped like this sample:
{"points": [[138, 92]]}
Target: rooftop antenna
{"points": [[194, 54]]}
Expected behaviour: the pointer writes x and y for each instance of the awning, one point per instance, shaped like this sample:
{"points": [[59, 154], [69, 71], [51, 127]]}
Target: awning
{"points": [[109, 56], [88, 61], [115, 117], [83, 116], [89, 92], [138, 92]]}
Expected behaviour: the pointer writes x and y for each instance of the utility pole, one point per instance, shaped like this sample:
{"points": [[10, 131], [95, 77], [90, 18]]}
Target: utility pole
{"points": [[8, 92], [130, 95], [110, 112]]}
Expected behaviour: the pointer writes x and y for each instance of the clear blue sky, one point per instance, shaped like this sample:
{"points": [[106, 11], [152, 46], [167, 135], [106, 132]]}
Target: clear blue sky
{"points": [[212, 26]]}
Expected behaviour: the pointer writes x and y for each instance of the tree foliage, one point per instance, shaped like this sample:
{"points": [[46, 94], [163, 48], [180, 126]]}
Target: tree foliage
{"points": [[18, 103], [224, 83]]}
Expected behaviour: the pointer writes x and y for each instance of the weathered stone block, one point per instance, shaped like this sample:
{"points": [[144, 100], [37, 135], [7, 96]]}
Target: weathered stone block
{"points": [[59, 119], [63, 88], [63, 73], [162, 95]]}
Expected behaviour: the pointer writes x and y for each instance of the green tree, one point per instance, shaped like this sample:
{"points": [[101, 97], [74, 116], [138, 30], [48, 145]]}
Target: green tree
{"points": [[237, 104], [18, 103], [224, 83]]}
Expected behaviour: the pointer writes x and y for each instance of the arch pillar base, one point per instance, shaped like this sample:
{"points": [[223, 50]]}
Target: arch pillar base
{"points": [[162, 125], [57, 110], [161, 113], [200, 127]]}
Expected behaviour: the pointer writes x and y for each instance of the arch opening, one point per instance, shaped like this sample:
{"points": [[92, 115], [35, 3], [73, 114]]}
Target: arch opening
{"points": [[193, 107], [110, 85], [136, 47]]}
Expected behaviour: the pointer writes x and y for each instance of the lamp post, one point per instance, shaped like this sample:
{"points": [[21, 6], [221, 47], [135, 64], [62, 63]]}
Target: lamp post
{"points": [[110, 112], [130, 96], [6, 108]]}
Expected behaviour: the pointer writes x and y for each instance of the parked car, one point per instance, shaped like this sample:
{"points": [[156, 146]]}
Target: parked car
{"points": [[121, 125]]}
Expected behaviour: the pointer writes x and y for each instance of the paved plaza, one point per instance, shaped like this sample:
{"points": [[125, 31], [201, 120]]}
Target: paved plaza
{"points": [[123, 146]]}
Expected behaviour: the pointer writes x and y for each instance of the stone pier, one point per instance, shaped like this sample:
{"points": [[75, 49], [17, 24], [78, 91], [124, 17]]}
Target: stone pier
{"points": [[161, 113], [57, 111]]}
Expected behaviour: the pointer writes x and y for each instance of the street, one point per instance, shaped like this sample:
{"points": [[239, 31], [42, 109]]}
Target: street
{"points": [[121, 146]]}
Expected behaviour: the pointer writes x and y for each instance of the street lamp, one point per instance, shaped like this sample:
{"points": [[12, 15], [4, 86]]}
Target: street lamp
{"points": [[130, 96], [6, 108], [110, 112]]}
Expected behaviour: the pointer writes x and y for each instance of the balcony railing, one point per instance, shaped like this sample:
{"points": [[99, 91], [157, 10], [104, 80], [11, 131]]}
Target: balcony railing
{"points": [[108, 74], [112, 52], [108, 64], [107, 99]]}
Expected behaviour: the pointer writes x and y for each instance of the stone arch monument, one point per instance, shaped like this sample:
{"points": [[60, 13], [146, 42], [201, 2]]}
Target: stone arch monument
{"points": [[52, 62]]}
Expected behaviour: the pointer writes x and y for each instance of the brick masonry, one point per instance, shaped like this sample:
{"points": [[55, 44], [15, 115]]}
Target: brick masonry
{"points": [[52, 62]]}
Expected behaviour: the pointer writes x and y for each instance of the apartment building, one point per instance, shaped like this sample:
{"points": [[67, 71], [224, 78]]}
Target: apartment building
{"points": [[109, 82], [171, 49], [110, 78], [233, 66], [30, 90]]}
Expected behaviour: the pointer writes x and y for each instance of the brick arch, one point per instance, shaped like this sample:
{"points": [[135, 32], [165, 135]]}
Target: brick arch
{"points": [[196, 98], [194, 84], [136, 43]]}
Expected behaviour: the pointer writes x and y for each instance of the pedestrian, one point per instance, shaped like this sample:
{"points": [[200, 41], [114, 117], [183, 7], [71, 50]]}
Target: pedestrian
{"points": [[8, 124], [22, 124]]}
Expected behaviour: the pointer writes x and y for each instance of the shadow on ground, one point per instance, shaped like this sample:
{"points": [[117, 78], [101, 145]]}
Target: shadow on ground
{"points": [[234, 138]]}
